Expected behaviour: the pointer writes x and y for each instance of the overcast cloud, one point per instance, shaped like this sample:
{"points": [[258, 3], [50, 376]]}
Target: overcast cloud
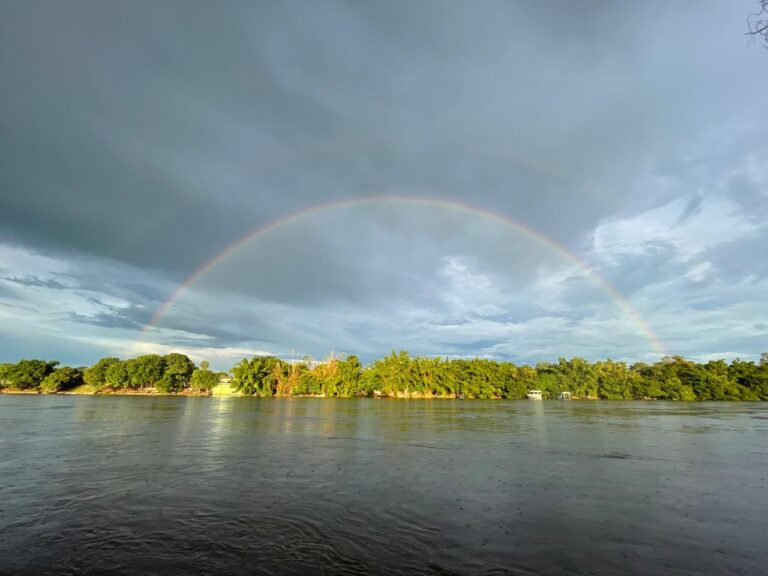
{"points": [[139, 139]]}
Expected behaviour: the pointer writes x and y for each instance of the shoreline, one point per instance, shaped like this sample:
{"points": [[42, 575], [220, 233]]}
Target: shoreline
{"points": [[397, 375], [414, 396]]}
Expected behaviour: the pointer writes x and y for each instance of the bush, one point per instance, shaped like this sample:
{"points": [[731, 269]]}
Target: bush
{"points": [[61, 379]]}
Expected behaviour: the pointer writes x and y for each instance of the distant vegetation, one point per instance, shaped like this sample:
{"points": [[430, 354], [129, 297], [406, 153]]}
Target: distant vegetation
{"points": [[400, 375], [166, 374]]}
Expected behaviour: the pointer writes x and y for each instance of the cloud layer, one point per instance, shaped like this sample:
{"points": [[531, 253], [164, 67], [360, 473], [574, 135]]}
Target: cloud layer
{"points": [[138, 141]]}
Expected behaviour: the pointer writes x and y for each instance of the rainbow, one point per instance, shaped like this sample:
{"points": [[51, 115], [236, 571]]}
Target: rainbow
{"points": [[621, 302]]}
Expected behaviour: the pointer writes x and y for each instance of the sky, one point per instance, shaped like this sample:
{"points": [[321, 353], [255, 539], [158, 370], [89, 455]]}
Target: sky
{"points": [[513, 180]]}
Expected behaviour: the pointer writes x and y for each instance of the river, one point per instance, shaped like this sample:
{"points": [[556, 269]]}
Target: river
{"points": [[177, 485]]}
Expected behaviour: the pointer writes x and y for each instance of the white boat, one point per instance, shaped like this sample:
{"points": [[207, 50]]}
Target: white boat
{"points": [[534, 394], [564, 396]]}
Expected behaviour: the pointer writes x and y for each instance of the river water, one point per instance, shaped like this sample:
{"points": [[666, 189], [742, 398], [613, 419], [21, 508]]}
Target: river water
{"points": [[167, 485]]}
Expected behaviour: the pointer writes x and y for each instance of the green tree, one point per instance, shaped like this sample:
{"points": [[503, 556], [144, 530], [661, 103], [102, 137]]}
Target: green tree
{"points": [[751, 378], [146, 371], [203, 379], [349, 371], [256, 376], [178, 369], [96, 375], [29, 374], [117, 376], [61, 379], [165, 386], [672, 378], [391, 374], [310, 383], [615, 381], [5, 375]]}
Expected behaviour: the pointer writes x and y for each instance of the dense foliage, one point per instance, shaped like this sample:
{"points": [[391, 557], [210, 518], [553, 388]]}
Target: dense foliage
{"points": [[203, 379], [170, 373], [400, 375], [26, 374], [62, 379]]}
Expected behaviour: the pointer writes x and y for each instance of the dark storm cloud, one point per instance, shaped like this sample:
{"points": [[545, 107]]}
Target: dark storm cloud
{"points": [[153, 134], [139, 139]]}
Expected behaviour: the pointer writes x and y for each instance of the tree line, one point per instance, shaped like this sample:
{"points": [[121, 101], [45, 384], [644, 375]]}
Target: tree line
{"points": [[167, 374], [401, 375]]}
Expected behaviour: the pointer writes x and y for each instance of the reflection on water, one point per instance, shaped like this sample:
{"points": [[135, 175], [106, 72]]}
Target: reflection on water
{"points": [[148, 485], [219, 411]]}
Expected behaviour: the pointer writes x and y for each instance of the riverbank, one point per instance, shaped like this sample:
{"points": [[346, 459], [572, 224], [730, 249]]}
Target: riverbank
{"points": [[86, 390], [397, 375]]}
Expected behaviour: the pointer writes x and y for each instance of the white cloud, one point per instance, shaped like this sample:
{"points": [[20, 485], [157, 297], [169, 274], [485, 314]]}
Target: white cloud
{"points": [[691, 231], [466, 291], [700, 271], [56, 298]]}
